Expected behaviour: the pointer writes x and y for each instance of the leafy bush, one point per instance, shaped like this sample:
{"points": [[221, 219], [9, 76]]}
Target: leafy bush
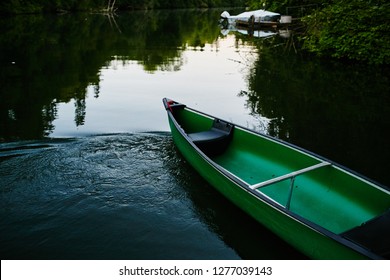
{"points": [[283, 6], [354, 29]]}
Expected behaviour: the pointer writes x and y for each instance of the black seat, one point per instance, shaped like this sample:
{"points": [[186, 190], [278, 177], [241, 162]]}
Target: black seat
{"points": [[374, 235], [215, 140]]}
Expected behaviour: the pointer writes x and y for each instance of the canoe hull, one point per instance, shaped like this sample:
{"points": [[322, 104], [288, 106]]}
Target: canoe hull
{"points": [[315, 242]]}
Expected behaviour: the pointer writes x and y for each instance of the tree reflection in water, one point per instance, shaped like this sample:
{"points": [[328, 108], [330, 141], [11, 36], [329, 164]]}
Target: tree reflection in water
{"points": [[48, 60]]}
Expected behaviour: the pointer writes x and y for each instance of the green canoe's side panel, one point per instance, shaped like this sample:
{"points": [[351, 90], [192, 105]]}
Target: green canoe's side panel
{"points": [[299, 235], [327, 196], [192, 122]]}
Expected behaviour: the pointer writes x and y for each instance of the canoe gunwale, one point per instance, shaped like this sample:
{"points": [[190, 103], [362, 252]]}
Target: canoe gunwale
{"points": [[253, 191], [341, 167]]}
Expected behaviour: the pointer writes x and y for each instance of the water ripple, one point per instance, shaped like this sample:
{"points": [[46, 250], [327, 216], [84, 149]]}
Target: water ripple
{"points": [[122, 196]]}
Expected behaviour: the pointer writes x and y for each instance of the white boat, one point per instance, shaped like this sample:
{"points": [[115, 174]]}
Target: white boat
{"points": [[257, 17]]}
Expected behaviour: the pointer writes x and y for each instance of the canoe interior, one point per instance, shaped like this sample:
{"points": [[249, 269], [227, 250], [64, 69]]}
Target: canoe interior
{"points": [[328, 196]]}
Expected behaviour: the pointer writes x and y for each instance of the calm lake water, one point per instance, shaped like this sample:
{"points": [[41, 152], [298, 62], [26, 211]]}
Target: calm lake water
{"points": [[88, 169]]}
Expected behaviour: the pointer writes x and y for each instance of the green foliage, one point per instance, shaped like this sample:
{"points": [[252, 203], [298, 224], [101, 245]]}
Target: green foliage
{"points": [[354, 29], [285, 6], [36, 6]]}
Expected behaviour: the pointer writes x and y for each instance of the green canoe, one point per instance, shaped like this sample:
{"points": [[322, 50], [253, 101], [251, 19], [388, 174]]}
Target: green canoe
{"points": [[317, 206]]}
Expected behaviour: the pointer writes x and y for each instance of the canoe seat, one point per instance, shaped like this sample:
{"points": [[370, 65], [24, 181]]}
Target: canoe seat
{"points": [[374, 235], [215, 140]]}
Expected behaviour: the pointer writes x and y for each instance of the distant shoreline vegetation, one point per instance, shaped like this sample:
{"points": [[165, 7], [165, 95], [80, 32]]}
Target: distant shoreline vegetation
{"points": [[354, 30], [58, 6]]}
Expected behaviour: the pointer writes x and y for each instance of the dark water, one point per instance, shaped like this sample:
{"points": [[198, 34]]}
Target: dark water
{"points": [[88, 169], [125, 196]]}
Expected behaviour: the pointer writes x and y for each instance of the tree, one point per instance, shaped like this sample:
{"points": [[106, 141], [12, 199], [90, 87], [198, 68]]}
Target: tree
{"points": [[353, 29]]}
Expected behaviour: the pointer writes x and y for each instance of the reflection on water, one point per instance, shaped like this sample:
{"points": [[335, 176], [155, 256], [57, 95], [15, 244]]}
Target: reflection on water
{"points": [[123, 196], [51, 60], [339, 111], [63, 77]]}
